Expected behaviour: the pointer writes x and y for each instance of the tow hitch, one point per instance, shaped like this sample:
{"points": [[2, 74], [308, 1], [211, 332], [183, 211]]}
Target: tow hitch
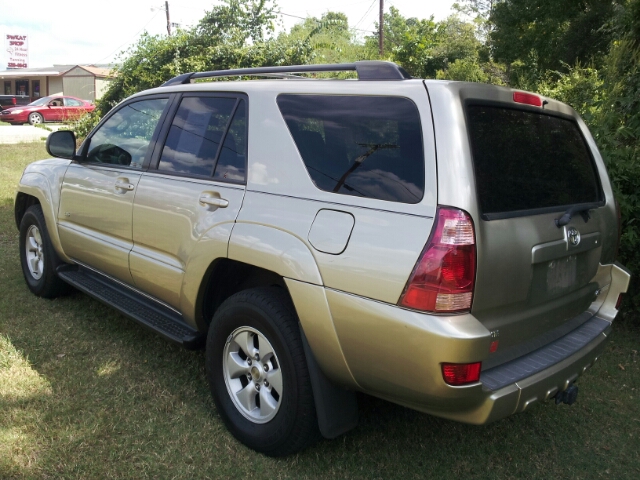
{"points": [[569, 396]]}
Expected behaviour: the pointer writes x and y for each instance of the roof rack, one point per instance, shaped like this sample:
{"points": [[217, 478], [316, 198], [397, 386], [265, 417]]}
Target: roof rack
{"points": [[366, 70]]}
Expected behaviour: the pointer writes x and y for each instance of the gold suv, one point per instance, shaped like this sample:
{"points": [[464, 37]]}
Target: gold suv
{"points": [[446, 246]]}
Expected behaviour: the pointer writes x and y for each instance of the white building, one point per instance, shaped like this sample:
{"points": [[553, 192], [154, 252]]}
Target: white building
{"points": [[88, 82]]}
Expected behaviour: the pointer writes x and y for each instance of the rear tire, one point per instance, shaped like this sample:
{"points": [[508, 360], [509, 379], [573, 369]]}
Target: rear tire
{"points": [[258, 372], [37, 256]]}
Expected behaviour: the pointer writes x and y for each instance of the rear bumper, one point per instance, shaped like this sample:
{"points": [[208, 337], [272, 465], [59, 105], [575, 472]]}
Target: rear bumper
{"points": [[396, 354], [515, 386]]}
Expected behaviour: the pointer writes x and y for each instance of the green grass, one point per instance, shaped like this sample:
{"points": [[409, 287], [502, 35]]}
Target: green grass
{"points": [[86, 393]]}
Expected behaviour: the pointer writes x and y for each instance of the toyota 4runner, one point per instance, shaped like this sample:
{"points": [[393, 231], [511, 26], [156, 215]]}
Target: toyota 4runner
{"points": [[443, 245]]}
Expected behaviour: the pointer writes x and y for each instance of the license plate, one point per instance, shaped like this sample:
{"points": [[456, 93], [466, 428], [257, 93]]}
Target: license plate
{"points": [[561, 274]]}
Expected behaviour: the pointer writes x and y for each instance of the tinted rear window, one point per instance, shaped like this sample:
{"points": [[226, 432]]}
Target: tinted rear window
{"points": [[527, 161], [359, 145]]}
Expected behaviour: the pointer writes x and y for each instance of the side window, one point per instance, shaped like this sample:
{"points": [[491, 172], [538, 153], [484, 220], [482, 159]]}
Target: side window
{"points": [[366, 146], [72, 102], [125, 137], [196, 134], [231, 163]]}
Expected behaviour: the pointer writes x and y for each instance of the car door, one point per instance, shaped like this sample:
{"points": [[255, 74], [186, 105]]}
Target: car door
{"points": [[191, 194], [73, 109], [96, 199], [54, 110]]}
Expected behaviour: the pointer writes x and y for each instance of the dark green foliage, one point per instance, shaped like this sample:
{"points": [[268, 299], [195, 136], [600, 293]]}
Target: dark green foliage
{"points": [[550, 34], [617, 130], [450, 49]]}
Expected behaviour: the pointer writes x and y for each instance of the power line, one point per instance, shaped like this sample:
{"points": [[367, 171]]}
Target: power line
{"points": [[132, 38], [280, 13], [367, 13], [304, 18]]}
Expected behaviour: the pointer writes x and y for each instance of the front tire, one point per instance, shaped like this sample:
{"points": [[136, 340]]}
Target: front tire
{"points": [[35, 119], [258, 372], [37, 256]]}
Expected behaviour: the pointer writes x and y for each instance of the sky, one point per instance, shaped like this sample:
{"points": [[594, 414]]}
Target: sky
{"points": [[74, 32]]}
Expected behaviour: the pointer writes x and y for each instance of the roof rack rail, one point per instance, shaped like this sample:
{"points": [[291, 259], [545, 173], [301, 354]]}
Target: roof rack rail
{"points": [[366, 70]]}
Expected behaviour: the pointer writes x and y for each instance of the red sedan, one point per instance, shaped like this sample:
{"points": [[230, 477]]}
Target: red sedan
{"points": [[47, 109]]}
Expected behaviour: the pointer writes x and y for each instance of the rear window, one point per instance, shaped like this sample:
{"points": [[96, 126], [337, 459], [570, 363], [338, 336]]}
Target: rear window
{"points": [[364, 146], [528, 161]]}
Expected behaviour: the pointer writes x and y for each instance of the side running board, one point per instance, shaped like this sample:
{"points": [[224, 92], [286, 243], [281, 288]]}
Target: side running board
{"points": [[149, 313]]}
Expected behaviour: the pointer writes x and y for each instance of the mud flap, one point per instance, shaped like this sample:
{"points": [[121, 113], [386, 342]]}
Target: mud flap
{"points": [[337, 408]]}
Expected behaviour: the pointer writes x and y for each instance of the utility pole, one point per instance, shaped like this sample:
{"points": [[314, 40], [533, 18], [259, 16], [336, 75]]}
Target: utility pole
{"points": [[381, 27], [166, 9]]}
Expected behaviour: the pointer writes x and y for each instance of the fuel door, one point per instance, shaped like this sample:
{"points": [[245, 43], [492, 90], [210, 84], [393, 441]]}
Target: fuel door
{"points": [[331, 230]]}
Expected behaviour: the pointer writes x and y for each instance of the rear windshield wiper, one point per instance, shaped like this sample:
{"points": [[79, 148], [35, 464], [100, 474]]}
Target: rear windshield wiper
{"points": [[373, 148], [582, 209]]}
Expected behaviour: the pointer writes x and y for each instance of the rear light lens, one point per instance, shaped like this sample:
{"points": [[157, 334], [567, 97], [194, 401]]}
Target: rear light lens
{"points": [[444, 277], [13, 100], [619, 216], [619, 302], [527, 99], [461, 373]]}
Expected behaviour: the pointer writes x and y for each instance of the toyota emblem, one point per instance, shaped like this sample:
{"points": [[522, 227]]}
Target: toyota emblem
{"points": [[573, 235]]}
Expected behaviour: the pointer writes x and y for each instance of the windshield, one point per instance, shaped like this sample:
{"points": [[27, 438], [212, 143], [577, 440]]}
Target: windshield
{"points": [[40, 102]]}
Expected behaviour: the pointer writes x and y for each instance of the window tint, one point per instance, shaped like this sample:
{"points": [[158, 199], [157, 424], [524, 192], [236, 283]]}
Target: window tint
{"points": [[124, 138], [72, 102], [195, 135], [356, 145], [525, 160], [231, 163]]}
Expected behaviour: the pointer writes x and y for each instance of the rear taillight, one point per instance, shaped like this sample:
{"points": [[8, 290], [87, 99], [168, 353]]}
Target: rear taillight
{"points": [[13, 100], [619, 216], [619, 302], [527, 99], [461, 373], [444, 277]]}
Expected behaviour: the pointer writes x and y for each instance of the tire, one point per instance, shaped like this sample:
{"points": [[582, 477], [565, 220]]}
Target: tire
{"points": [[35, 119], [37, 256], [279, 418]]}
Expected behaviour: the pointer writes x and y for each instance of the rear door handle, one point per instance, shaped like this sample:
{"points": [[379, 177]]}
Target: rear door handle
{"points": [[124, 186], [207, 199]]}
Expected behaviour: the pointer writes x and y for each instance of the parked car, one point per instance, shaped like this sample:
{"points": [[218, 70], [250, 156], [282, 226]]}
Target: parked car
{"points": [[447, 246], [47, 109], [7, 101]]}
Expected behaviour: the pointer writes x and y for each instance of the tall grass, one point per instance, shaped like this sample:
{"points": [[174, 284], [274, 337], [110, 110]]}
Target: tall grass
{"points": [[86, 393]]}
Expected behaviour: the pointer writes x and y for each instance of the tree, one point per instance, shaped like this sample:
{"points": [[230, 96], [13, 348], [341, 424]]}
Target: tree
{"points": [[226, 37], [328, 39], [617, 129], [540, 35], [236, 21]]}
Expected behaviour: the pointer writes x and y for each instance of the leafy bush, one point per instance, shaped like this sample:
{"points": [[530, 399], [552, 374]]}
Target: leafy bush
{"points": [[581, 87], [617, 130], [83, 126]]}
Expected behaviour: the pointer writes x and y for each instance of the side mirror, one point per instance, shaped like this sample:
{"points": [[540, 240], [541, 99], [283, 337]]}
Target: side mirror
{"points": [[62, 145]]}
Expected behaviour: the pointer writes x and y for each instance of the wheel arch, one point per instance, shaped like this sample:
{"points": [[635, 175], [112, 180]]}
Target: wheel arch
{"points": [[35, 189], [22, 203], [276, 258]]}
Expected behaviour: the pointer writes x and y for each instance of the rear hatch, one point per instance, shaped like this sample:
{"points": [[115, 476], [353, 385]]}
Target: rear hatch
{"points": [[534, 278]]}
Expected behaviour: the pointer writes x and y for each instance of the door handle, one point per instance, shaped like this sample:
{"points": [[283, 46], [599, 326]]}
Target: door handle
{"points": [[124, 186], [214, 201]]}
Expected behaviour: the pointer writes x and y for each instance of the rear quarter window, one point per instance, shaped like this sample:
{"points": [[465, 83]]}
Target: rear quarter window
{"points": [[526, 161], [365, 146]]}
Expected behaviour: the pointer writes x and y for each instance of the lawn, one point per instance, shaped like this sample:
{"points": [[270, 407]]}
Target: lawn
{"points": [[86, 393]]}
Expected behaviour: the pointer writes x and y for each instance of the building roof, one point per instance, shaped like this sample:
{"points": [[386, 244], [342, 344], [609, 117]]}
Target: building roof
{"points": [[97, 71], [56, 70]]}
